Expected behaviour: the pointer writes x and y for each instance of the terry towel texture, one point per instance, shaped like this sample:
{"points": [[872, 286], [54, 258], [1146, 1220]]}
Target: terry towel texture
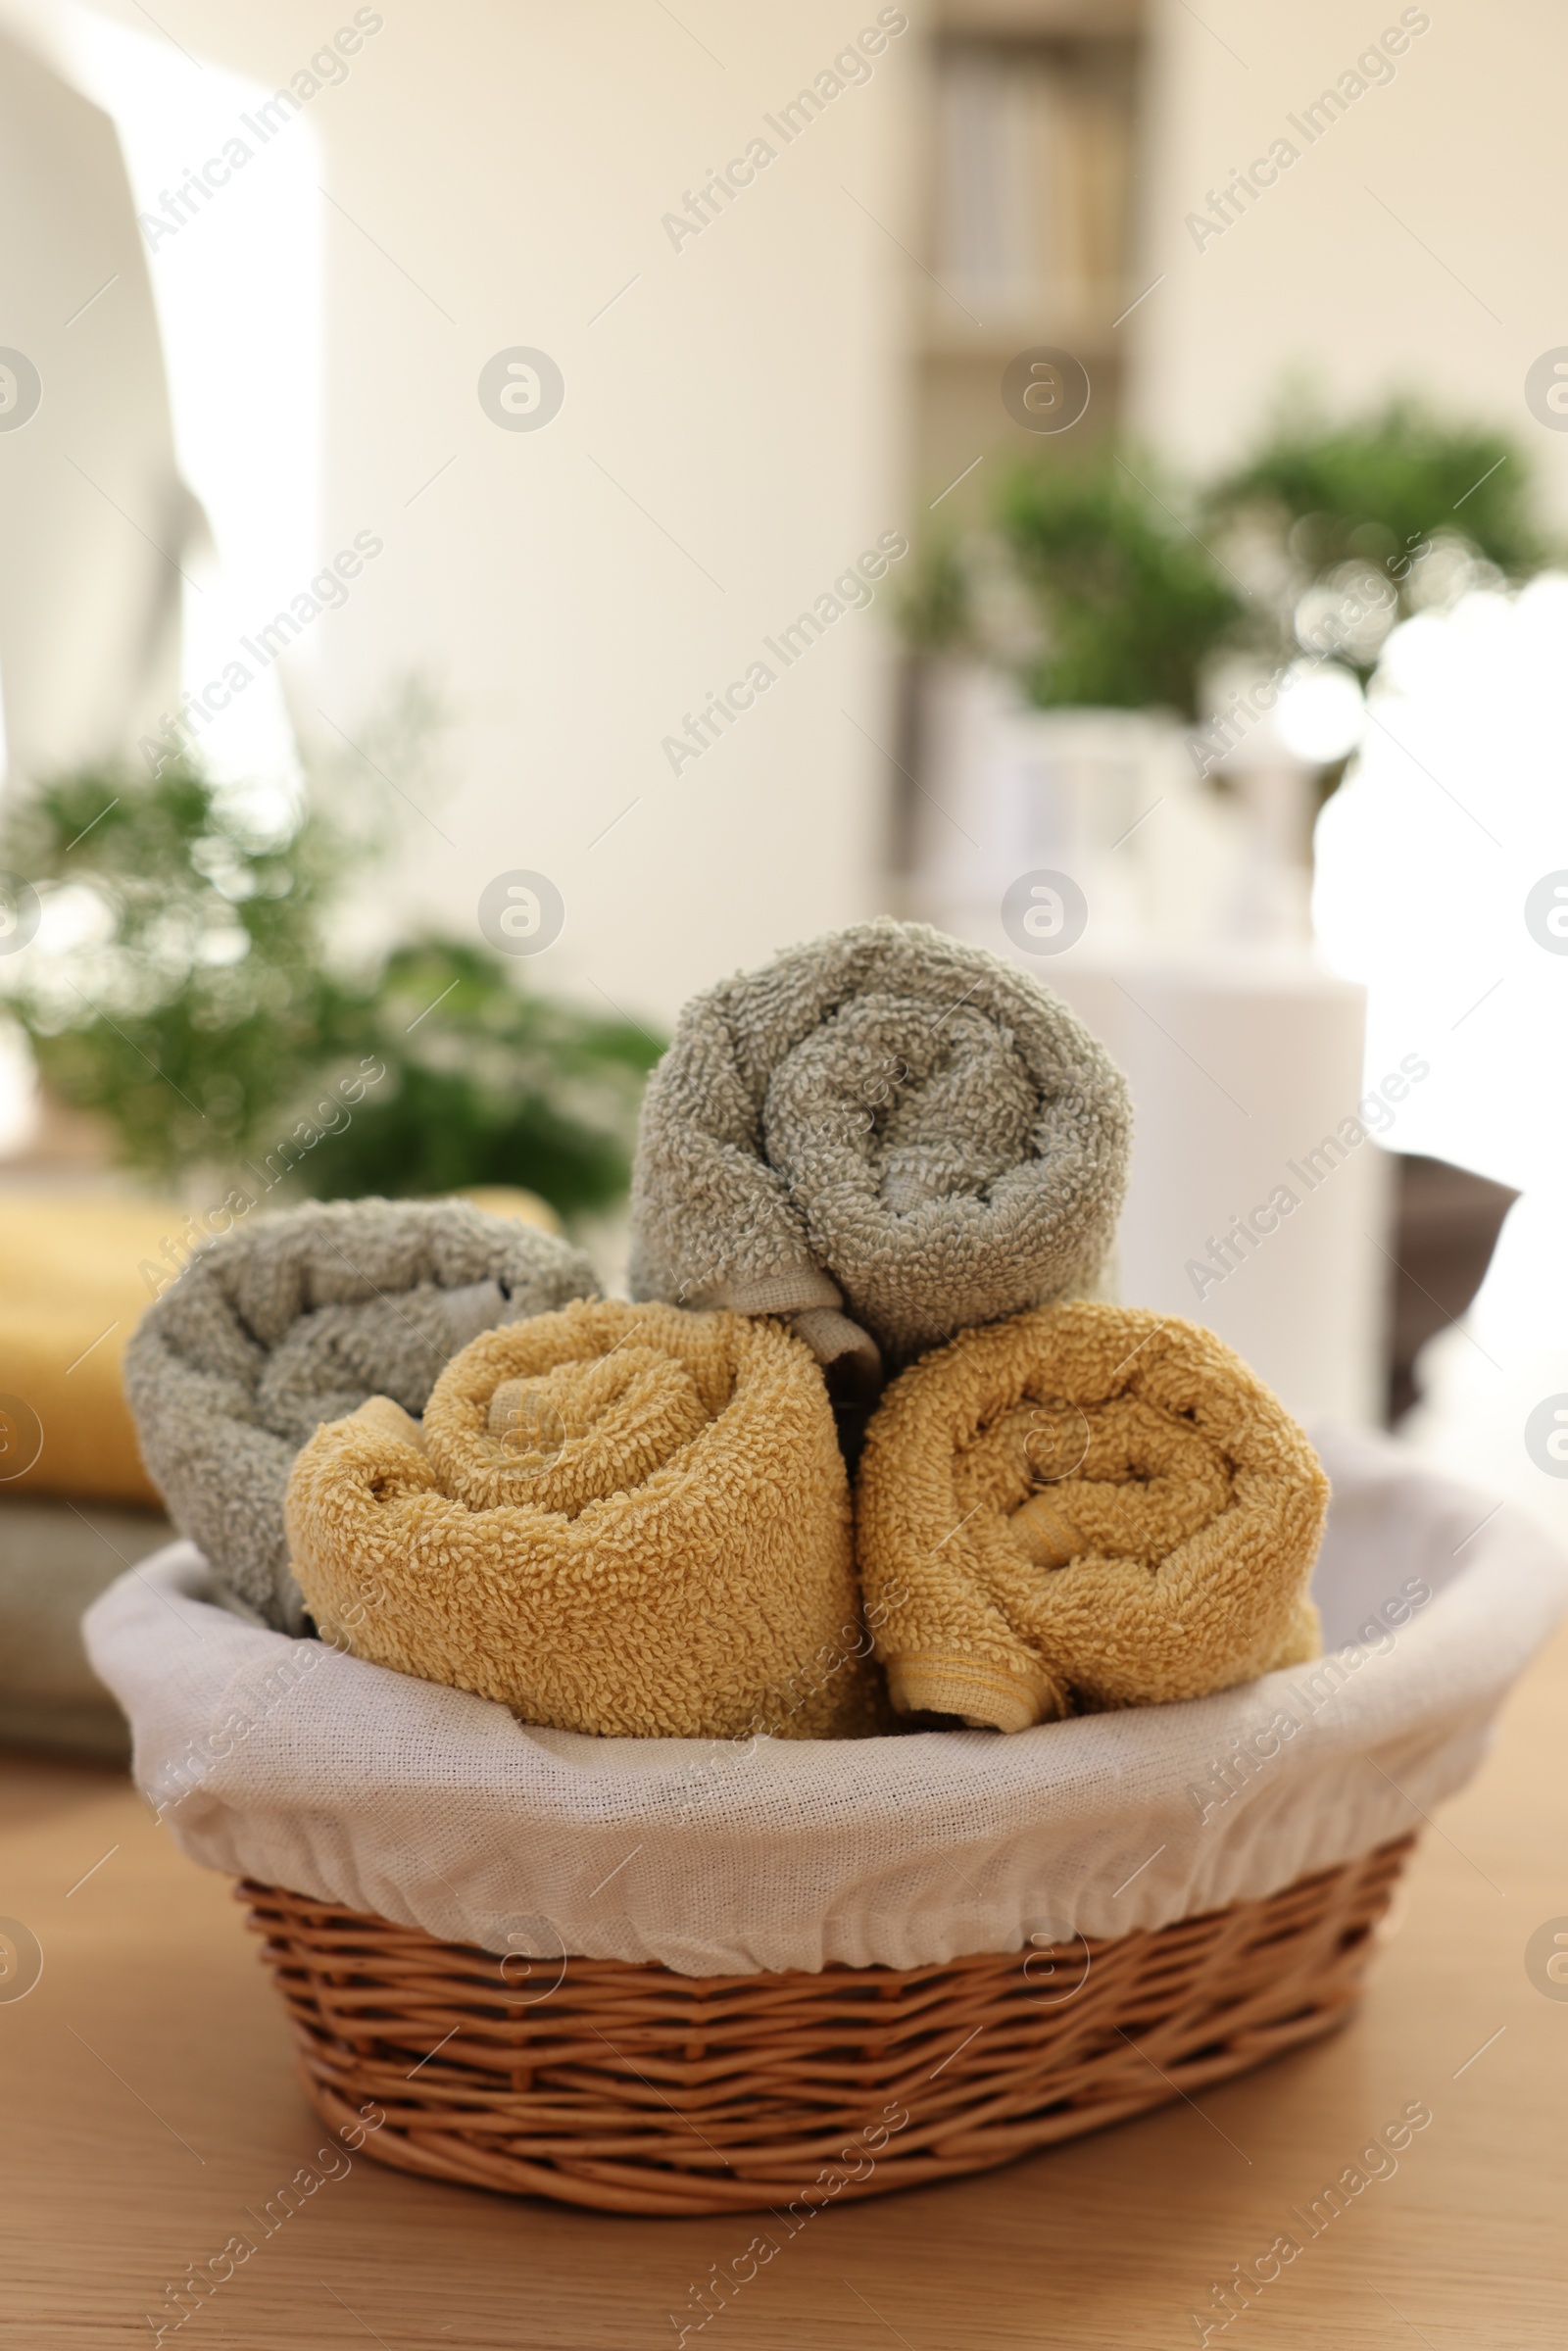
{"points": [[885, 1121], [296, 1319], [1088, 1506], [286, 1761], [625, 1520]]}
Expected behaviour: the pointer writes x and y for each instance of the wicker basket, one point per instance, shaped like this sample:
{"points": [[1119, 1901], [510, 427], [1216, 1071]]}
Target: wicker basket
{"points": [[632, 2089]]}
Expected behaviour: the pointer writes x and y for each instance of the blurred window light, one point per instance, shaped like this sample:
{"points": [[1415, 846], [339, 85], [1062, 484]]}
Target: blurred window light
{"points": [[227, 188], [1436, 867], [1350, 613], [74, 916], [18, 1089], [1321, 713]]}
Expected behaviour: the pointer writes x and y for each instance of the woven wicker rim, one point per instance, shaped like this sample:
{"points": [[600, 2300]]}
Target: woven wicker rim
{"points": [[632, 2089]]}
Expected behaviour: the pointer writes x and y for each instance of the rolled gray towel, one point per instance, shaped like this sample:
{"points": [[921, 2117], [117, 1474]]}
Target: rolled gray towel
{"points": [[884, 1125], [295, 1319]]}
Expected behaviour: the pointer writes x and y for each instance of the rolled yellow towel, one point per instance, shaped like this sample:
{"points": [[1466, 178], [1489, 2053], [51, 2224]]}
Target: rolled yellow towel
{"points": [[629, 1520], [1082, 1507]]}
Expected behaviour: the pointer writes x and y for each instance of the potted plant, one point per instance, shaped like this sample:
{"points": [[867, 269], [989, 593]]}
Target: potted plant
{"points": [[1065, 649], [182, 987]]}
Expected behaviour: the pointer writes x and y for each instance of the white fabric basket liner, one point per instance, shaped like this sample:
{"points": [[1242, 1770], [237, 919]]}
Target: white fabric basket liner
{"points": [[283, 1760]]}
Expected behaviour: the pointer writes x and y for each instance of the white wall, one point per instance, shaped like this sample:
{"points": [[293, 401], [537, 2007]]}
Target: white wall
{"points": [[496, 175], [93, 521], [1464, 146]]}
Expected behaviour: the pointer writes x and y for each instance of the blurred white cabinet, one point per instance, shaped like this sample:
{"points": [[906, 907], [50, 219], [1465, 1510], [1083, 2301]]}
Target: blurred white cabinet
{"points": [[1245, 1078]]}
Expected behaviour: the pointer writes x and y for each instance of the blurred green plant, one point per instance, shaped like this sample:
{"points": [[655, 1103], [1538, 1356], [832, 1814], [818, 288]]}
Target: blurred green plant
{"points": [[939, 611], [1105, 582], [485, 1085], [174, 988], [1342, 530], [181, 987], [1087, 586], [1131, 605]]}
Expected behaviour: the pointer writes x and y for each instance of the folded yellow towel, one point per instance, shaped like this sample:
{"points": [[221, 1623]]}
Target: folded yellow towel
{"points": [[1084, 1506], [77, 1271], [629, 1520]]}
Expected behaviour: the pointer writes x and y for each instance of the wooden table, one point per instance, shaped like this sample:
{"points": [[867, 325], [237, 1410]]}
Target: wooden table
{"points": [[149, 2105]]}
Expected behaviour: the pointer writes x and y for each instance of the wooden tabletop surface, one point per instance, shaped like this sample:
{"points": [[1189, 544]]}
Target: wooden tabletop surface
{"points": [[149, 2105]]}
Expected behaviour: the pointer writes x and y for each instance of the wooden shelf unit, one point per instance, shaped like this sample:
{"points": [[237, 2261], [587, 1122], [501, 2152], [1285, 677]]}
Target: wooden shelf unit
{"points": [[1030, 142]]}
